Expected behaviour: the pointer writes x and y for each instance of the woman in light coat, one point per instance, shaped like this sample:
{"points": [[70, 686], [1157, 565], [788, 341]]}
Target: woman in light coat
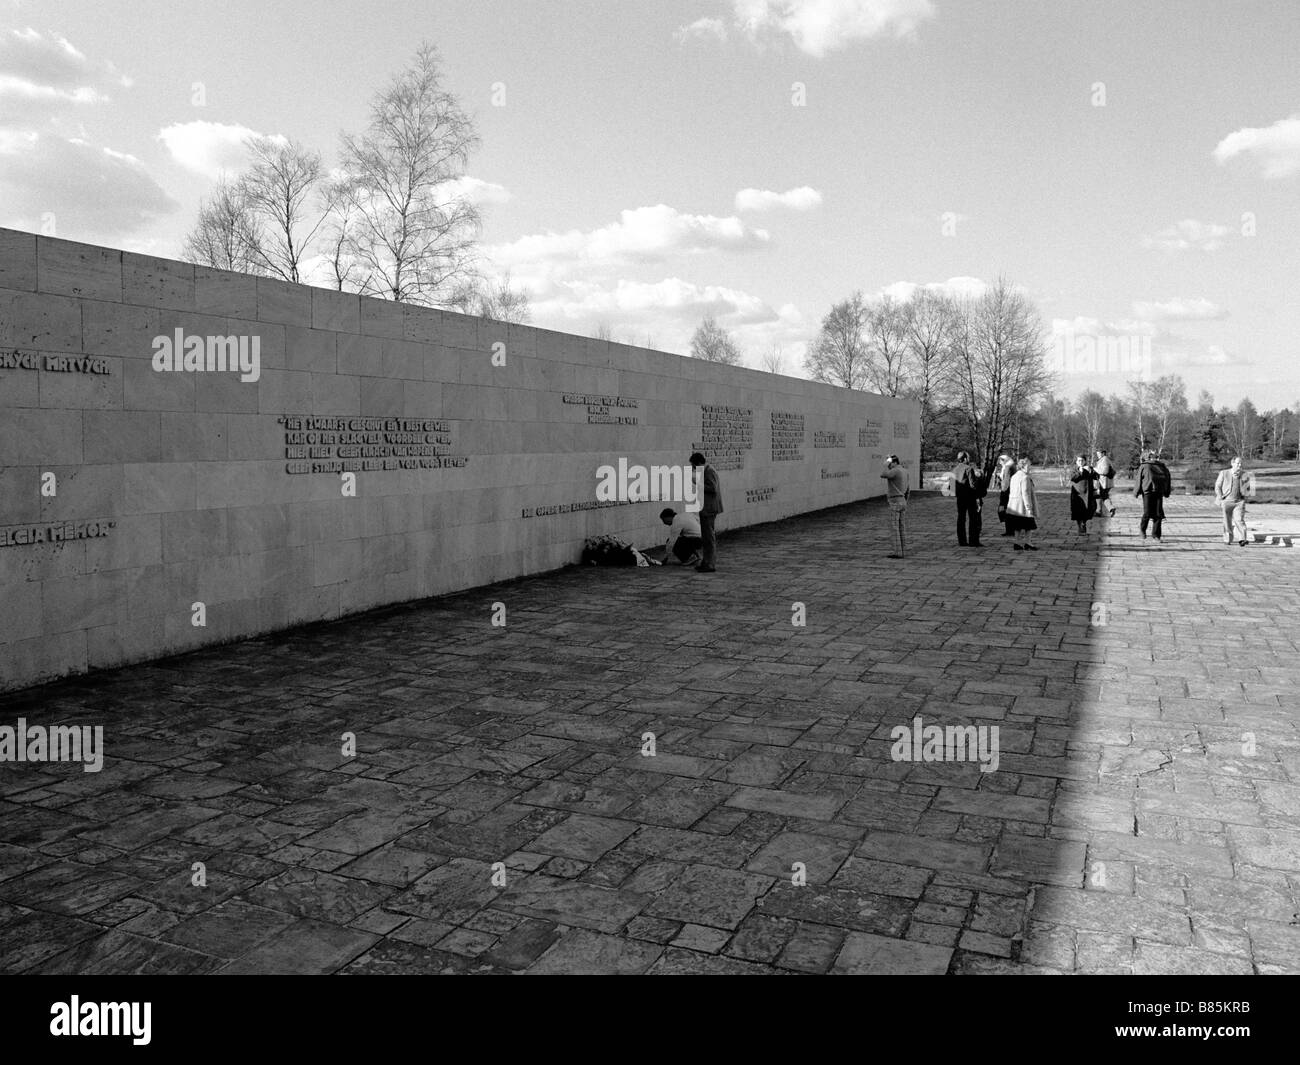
{"points": [[1022, 505]]}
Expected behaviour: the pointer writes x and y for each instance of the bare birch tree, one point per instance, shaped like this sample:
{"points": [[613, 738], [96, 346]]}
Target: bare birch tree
{"points": [[283, 188], [887, 331], [412, 230], [1000, 359], [226, 234], [838, 355]]}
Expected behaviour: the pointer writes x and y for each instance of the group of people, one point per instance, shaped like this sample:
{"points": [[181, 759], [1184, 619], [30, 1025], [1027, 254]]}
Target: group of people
{"points": [[1090, 496], [692, 539]]}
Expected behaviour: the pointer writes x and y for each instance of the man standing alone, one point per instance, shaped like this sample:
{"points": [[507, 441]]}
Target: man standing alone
{"points": [[709, 510], [896, 486], [1232, 488], [966, 481]]}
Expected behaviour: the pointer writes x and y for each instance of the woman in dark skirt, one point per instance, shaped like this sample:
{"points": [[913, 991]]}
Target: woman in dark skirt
{"points": [[1022, 506], [1083, 494]]}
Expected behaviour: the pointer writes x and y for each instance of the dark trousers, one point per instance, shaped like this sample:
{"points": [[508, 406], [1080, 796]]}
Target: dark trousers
{"points": [[1153, 512], [968, 517], [710, 539], [686, 546]]}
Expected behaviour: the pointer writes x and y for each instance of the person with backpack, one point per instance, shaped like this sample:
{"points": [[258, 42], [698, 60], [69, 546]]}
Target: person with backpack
{"points": [[1105, 482], [1153, 486], [967, 484]]}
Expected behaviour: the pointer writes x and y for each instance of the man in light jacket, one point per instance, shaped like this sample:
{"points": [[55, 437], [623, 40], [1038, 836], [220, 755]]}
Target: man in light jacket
{"points": [[1232, 488], [897, 484], [1105, 482]]}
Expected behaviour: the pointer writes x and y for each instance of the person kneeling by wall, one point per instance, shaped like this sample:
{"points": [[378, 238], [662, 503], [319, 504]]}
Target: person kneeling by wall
{"points": [[684, 540]]}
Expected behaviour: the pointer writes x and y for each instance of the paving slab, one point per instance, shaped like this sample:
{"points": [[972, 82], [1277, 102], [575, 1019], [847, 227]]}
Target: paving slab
{"points": [[1143, 817]]}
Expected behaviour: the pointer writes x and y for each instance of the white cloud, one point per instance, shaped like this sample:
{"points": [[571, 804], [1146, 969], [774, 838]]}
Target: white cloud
{"points": [[644, 234], [1169, 352], [1276, 148], [30, 56], [665, 311], [702, 29], [1187, 234], [1096, 327], [209, 148], [821, 26], [1177, 357], [803, 198], [92, 193], [31, 92], [475, 190], [954, 287], [1178, 310]]}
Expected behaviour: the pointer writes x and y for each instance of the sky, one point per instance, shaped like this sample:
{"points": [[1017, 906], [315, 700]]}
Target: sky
{"points": [[1133, 166]]}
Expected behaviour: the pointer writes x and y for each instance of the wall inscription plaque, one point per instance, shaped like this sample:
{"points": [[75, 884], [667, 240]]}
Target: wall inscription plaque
{"points": [[787, 436], [316, 444], [726, 434]]}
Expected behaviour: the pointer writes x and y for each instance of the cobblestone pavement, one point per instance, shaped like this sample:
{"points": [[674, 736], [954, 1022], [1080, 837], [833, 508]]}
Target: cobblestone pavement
{"points": [[1142, 816]]}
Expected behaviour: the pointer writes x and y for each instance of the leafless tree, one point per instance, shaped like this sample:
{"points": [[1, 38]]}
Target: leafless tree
{"points": [[1241, 428], [887, 330], [340, 214], [929, 352], [714, 344], [1140, 397], [838, 355], [283, 189], [226, 235], [412, 231], [496, 299], [1091, 408], [999, 350], [1167, 398], [773, 359]]}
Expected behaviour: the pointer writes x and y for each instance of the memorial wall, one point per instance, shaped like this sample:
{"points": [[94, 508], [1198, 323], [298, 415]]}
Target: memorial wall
{"points": [[189, 456]]}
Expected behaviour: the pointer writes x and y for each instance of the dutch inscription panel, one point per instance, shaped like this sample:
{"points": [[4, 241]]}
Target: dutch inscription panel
{"points": [[605, 410], [787, 436], [315, 444], [726, 433]]}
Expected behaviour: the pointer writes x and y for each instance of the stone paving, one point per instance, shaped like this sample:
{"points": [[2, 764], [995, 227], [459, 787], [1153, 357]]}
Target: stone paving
{"points": [[499, 815]]}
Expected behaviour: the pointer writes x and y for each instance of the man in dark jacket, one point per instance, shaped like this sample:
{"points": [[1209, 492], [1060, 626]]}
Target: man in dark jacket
{"points": [[967, 481], [1153, 486], [709, 509]]}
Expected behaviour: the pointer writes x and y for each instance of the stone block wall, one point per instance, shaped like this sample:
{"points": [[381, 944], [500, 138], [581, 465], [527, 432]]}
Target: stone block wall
{"points": [[129, 494]]}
